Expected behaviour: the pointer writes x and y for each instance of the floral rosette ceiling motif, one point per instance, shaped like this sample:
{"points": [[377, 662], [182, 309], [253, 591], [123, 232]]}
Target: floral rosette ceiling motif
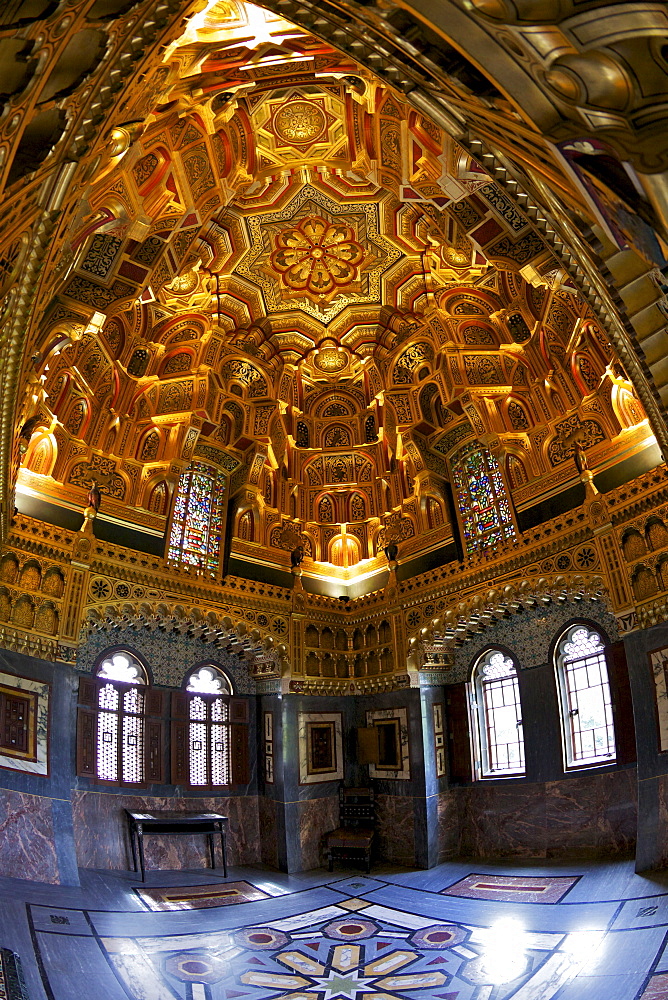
{"points": [[301, 123], [317, 258]]}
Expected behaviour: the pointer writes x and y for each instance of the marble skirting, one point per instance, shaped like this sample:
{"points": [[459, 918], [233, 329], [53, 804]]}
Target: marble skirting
{"points": [[28, 837], [652, 848], [269, 831], [586, 816], [316, 818], [395, 828], [102, 841]]}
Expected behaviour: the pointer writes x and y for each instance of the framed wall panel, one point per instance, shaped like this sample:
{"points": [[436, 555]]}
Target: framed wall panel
{"points": [[394, 761], [320, 747], [658, 660], [24, 724]]}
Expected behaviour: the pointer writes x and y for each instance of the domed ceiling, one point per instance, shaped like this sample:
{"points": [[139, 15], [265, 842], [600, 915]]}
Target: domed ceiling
{"points": [[283, 271]]}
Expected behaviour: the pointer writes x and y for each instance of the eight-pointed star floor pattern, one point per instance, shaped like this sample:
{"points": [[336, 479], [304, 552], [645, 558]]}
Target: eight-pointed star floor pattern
{"points": [[396, 935]]}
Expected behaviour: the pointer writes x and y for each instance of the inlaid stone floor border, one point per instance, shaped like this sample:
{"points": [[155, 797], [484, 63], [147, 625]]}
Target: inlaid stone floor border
{"points": [[395, 935], [198, 897], [514, 888]]}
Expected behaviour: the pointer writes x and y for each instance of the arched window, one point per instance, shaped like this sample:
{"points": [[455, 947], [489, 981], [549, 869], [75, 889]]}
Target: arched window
{"points": [[119, 740], [481, 497], [207, 758], [495, 701], [197, 523], [584, 693]]}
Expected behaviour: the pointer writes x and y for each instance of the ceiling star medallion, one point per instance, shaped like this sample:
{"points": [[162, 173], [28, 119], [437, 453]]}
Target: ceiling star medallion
{"points": [[318, 258], [362, 224]]}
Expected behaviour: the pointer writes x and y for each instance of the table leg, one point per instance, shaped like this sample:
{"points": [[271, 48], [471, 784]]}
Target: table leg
{"points": [[212, 850], [222, 844], [140, 840], [133, 846]]}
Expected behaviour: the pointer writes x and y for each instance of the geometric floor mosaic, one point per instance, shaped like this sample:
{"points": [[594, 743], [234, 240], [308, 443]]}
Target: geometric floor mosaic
{"points": [[513, 888], [199, 897], [389, 936], [371, 951]]}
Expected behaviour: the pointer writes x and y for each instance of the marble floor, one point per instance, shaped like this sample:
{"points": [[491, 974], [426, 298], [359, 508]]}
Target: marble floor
{"points": [[461, 931]]}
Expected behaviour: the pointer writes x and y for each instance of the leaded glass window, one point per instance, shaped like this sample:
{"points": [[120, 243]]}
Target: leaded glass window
{"points": [[584, 691], [208, 727], [120, 719], [481, 498], [495, 701], [197, 522]]}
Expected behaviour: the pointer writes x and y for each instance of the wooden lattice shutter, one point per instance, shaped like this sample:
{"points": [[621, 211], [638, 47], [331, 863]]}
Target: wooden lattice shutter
{"points": [[179, 738], [154, 745], [14, 716], [622, 703], [239, 749], [458, 732], [87, 727]]}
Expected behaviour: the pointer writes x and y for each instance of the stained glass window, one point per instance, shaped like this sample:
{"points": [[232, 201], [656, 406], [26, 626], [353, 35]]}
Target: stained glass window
{"points": [[495, 700], [120, 719], [481, 497], [586, 708], [209, 740], [197, 523]]}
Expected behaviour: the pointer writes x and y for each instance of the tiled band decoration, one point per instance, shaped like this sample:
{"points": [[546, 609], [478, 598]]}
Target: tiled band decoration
{"points": [[199, 897], [513, 888]]}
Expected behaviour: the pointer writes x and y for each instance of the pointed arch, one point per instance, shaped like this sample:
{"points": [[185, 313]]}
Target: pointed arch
{"points": [[497, 711], [42, 453]]}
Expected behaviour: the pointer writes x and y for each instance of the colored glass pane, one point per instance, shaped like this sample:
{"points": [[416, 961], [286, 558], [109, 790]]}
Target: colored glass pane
{"points": [[197, 522], [483, 505]]}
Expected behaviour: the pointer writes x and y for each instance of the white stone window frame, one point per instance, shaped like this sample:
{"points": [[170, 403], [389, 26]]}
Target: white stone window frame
{"points": [[482, 690], [593, 660]]}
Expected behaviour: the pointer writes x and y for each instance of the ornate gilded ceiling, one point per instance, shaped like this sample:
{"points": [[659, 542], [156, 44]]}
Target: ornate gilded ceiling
{"points": [[282, 269]]}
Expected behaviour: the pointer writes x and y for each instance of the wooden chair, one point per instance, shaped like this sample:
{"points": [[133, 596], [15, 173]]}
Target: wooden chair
{"points": [[354, 837]]}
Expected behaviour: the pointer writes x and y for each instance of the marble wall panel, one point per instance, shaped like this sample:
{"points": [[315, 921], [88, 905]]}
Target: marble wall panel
{"points": [[395, 829], [269, 837], [27, 837], [591, 815], [102, 841], [448, 818], [316, 818], [652, 847], [583, 816], [504, 820]]}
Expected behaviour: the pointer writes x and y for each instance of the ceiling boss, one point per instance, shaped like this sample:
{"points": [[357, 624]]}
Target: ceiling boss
{"points": [[318, 257]]}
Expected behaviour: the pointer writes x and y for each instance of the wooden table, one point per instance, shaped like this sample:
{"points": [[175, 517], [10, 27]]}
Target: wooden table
{"points": [[177, 824]]}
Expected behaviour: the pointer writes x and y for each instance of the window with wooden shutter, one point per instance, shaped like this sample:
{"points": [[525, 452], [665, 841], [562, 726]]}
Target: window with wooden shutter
{"points": [[209, 732], [115, 743]]}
